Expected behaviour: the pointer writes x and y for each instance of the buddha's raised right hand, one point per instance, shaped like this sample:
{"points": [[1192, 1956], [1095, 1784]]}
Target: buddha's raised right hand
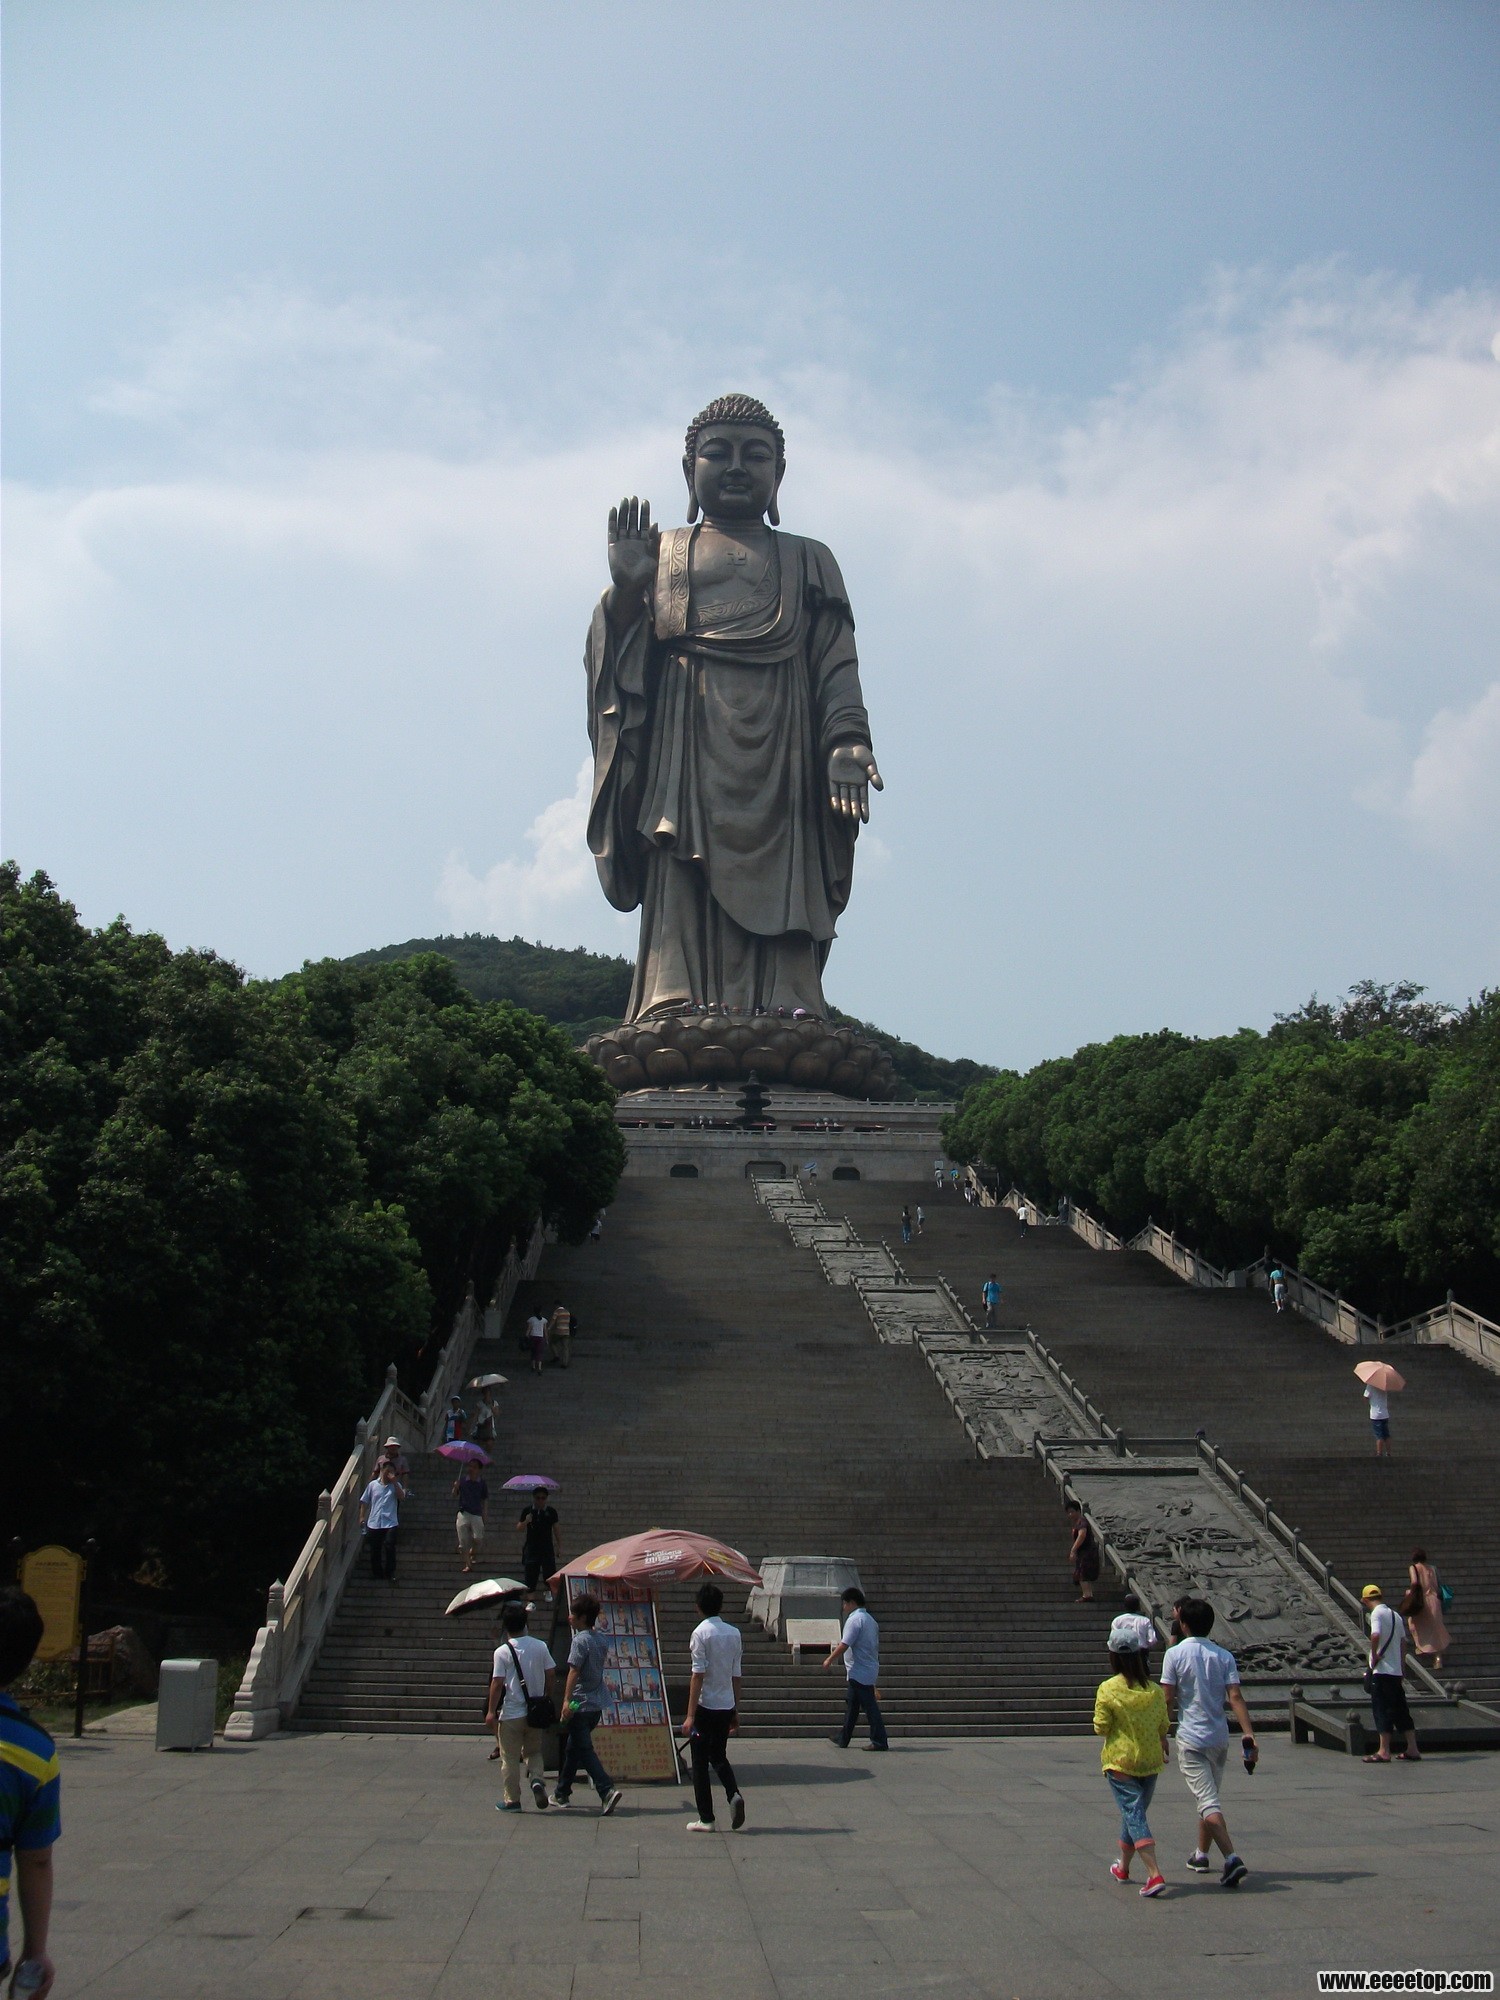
{"points": [[633, 542]]}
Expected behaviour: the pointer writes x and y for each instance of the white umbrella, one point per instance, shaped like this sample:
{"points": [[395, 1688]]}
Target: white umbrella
{"points": [[486, 1381], [493, 1590]]}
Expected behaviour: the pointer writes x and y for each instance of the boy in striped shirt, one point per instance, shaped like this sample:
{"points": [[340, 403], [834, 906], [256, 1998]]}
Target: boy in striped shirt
{"points": [[29, 1787]]}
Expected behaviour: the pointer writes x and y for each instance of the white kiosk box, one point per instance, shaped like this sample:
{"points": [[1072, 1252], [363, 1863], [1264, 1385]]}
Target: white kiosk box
{"points": [[185, 1700]]}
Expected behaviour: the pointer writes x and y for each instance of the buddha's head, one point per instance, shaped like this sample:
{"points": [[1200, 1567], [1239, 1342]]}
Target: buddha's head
{"points": [[733, 459]]}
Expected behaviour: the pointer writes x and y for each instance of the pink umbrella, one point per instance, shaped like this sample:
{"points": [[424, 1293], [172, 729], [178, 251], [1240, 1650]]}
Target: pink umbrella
{"points": [[661, 1555], [1380, 1375], [464, 1452], [528, 1482]]}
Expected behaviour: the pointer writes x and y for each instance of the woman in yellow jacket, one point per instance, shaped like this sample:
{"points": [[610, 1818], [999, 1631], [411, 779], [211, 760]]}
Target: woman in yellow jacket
{"points": [[1130, 1713]]}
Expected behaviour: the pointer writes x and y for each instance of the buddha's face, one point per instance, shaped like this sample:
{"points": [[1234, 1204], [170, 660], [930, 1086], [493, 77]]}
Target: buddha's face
{"points": [[733, 474]]}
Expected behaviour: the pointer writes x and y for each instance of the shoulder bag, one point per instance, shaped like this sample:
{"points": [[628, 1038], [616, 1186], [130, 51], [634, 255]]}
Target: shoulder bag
{"points": [[541, 1711], [1398, 1626]]}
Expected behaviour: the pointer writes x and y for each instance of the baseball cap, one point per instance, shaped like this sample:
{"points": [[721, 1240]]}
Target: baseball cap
{"points": [[1124, 1637], [1372, 1590]]}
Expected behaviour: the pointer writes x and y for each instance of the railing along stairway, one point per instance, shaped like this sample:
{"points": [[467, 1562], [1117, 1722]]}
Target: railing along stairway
{"points": [[300, 1610]]}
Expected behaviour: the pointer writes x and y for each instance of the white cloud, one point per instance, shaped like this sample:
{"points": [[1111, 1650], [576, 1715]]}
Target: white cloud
{"points": [[1227, 631], [513, 896], [1453, 798]]}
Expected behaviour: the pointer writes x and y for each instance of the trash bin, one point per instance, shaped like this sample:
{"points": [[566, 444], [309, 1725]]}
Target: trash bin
{"points": [[186, 1694]]}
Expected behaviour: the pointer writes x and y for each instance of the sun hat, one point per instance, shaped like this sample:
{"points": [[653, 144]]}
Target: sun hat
{"points": [[391, 1441], [1124, 1636], [1372, 1590]]}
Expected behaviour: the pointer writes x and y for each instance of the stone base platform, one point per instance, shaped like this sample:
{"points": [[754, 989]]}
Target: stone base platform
{"points": [[711, 1046], [690, 1132]]}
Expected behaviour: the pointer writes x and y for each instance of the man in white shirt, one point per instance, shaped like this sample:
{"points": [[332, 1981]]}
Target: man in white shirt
{"points": [[712, 1711], [1198, 1678], [380, 1517], [859, 1649], [1380, 1420], [1387, 1690], [523, 1672]]}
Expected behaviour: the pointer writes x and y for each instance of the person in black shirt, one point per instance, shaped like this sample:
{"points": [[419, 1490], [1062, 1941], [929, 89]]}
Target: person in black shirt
{"points": [[539, 1557], [1084, 1551]]}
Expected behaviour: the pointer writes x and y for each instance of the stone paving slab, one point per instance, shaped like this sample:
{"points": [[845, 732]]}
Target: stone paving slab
{"points": [[315, 1867]]}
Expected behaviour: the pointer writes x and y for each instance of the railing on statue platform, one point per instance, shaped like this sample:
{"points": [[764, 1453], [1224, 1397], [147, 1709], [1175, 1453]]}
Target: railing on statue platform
{"points": [[300, 1610]]}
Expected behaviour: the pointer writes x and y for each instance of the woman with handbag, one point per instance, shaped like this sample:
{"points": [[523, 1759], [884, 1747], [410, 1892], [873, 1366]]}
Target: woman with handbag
{"points": [[1426, 1599]]}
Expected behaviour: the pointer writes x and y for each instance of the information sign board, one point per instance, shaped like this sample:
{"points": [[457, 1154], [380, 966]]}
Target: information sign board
{"points": [[634, 1740], [53, 1576]]}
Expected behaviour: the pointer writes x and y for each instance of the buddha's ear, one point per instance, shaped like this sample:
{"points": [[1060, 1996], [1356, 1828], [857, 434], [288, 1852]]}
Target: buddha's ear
{"points": [[687, 473], [773, 512]]}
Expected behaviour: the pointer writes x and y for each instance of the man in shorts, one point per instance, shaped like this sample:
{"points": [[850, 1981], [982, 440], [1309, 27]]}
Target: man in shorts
{"points": [[1199, 1678], [1380, 1420], [472, 1493], [1392, 1713]]}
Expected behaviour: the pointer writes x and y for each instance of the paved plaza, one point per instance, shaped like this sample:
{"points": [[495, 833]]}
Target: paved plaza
{"points": [[334, 1866]]}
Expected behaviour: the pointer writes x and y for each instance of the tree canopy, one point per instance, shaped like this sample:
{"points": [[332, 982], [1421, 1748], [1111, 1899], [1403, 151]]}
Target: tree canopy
{"points": [[226, 1206], [585, 992], [1360, 1139]]}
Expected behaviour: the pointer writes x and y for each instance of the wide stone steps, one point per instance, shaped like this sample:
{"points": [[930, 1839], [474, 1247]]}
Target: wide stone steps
{"points": [[1275, 1394], [720, 1383]]}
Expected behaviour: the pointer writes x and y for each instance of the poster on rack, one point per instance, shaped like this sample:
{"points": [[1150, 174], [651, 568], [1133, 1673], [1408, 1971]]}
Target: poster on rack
{"points": [[634, 1739]]}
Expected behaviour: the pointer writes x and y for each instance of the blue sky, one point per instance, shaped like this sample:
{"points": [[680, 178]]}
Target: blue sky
{"points": [[1138, 363]]}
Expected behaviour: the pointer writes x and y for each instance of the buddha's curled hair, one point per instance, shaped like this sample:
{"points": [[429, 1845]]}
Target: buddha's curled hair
{"points": [[735, 410]]}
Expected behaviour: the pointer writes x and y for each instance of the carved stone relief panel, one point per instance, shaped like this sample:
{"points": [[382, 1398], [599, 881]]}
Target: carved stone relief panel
{"points": [[1001, 1391], [844, 1262], [1180, 1533], [806, 1234], [899, 1311]]}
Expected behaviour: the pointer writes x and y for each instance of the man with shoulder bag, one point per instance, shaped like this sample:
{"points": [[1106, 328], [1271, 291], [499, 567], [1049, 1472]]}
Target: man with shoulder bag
{"points": [[1383, 1679], [522, 1702]]}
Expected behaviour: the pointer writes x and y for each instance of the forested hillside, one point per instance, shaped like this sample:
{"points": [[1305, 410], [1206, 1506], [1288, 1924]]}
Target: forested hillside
{"points": [[227, 1205], [583, 992], [578, 991], [1361, 1140]]}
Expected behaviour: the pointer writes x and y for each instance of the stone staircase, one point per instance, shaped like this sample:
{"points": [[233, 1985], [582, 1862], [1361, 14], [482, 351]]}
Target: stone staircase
{"points": [[718, 1382], [1277, 1396]]}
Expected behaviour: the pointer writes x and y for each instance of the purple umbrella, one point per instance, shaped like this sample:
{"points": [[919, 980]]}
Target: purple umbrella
{"points": [[464, 1452], [527, 1482]]}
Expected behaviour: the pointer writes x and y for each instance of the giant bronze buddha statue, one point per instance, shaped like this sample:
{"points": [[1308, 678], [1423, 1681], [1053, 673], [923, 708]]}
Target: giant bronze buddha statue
{"points": [[732, 764]]}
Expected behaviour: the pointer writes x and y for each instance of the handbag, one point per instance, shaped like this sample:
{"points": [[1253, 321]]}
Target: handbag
{"points": [[1412, 1600], [541, 1711], [1445, 1595]]}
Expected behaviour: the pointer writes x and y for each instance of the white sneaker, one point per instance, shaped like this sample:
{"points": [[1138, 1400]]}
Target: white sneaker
{"points": [[701, 1826]]}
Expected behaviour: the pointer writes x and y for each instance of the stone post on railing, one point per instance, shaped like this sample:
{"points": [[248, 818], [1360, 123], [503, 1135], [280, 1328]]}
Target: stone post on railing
{"points": [[257, 1705]]}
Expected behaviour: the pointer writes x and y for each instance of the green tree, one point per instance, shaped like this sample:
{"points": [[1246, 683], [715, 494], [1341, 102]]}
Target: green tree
{"points": [[473, 1117], [225, 1207]]}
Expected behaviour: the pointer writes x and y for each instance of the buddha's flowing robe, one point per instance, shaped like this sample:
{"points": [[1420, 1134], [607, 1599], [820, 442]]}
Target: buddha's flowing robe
{"points": [[710, 808]]}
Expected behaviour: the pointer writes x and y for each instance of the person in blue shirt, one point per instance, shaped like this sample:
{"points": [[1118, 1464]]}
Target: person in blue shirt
{"points": [[859, 1649], [29, 1789], [991, 1296]]}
